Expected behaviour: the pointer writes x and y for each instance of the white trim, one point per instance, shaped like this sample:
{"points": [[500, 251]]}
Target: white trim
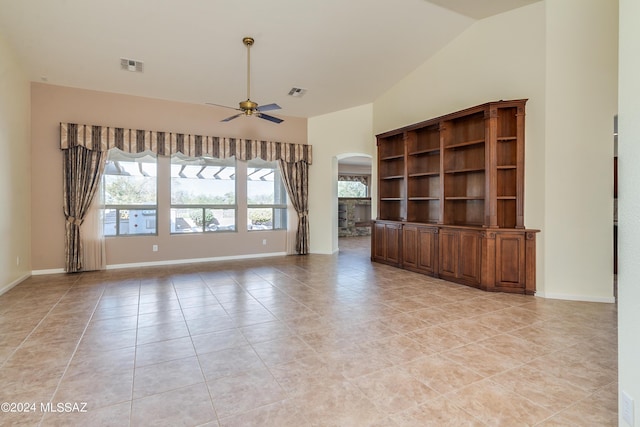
{"points": [[584, 298], [49, 271], [323, 252], [194, 260], [14, 283]]}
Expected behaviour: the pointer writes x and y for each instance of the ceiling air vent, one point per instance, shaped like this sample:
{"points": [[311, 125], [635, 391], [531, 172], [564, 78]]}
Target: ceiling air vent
{"points": [[131, 65], [297, 92]]}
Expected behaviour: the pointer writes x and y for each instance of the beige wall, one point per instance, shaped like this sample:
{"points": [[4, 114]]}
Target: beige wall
{"points": [[629, 209], [333, 136], [54, 104], [15, 171], [572, 95], [581, 101]]}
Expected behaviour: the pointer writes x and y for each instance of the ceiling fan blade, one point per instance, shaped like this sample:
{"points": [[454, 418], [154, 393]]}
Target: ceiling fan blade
{"points": [[228, 119], [223, 106], [269, 107], [270, 118]]}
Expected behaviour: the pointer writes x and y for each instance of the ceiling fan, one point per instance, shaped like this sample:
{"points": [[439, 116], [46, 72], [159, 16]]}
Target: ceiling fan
{"points": [[248, 107]]}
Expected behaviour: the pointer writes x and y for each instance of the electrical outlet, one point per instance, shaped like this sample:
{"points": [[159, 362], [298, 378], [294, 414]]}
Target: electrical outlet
{"points": [[17, 261], [627, 408], [154, 248], [264, 241]]}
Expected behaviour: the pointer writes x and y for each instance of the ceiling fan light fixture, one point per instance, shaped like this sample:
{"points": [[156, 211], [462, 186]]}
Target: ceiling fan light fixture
{"points": [[248, 107]]}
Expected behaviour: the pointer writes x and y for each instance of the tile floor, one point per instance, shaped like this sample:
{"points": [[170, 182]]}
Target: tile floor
{"points": [[300, 341]]}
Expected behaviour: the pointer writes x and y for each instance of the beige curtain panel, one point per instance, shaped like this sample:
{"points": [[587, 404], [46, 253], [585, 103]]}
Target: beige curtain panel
{"points": [[296, 181], [102, 138], [82, 173]]}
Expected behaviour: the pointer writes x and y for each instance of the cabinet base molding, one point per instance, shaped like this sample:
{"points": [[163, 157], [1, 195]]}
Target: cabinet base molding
{"points": [[499, 260]]}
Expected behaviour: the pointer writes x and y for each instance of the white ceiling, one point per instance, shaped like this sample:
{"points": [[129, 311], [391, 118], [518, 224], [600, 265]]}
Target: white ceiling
{"points": [[344, 52]]}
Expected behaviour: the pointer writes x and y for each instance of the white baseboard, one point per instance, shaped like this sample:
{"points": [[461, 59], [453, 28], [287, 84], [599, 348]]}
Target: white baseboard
{"points": [[194, 260], [8, 286], [49, 271], [168, 262], [584, 298]]}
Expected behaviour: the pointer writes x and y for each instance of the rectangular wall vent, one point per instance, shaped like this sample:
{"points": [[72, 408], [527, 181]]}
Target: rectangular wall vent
{"points": [[131, 65], [297, 92]]}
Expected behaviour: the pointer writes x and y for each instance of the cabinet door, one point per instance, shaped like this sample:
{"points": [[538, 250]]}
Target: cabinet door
{"points": [[377, 242], [448, 251], [510, 261], [392, 243], [469, 263], [385, 243], [410, 247], [427, 242]]}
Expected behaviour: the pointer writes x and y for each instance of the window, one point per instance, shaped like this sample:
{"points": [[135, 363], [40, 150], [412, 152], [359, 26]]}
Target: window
{"points": [[130, 188], [266, 197], [353, 186], [203, 195]]}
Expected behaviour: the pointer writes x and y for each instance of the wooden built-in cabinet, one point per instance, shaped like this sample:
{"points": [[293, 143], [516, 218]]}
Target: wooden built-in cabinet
{"points": [[451, 199]]}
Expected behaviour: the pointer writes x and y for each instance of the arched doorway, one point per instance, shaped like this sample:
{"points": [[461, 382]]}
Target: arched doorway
{"points": [[352, 179]]}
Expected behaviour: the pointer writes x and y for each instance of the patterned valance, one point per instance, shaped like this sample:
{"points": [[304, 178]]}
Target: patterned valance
{"points": [[102, 138], [363, 179]]}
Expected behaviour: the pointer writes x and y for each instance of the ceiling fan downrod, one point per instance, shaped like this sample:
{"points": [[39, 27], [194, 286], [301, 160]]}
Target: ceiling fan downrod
{"points": [[248, 106]]}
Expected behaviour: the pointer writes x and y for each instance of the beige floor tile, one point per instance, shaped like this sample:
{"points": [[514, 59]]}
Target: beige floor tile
{"points": [[164, 351], [441, 373], [482, 360], [305, 375], [209, 324], [229, 362], [541, 387], [267, 331], [339, 405], [163, 332], [166, 376], [188, 406], [439, 412], [355, 361], [282, 350], [496, 406], [245, 392], [512, 347], [275, 415], [97, 390], [437, 339], [220, 340], [393, 390], [109, 416]]}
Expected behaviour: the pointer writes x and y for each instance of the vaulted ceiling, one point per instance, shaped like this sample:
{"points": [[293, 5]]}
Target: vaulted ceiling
{"points": [[343, 52]]}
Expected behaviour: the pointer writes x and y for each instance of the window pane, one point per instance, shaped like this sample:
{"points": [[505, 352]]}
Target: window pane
{"points": [[260, 219], [110, 222], [351, 189], [280, 219], [130, 179], [186, 220], [137, 221], [202, 181], [220, 220], [267, 219], [264, 184]]}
